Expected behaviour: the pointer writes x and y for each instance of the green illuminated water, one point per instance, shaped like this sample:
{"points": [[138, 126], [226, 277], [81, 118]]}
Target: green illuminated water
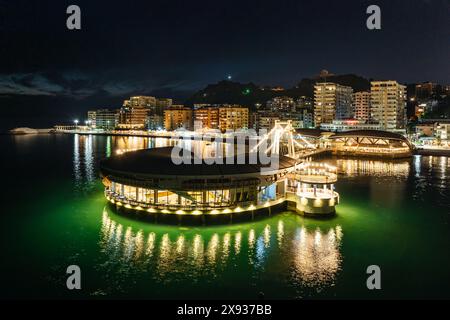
{"points": [[392, 214]]}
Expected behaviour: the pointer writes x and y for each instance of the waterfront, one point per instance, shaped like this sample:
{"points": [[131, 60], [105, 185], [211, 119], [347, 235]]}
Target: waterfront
{"points": [[394, 214]]}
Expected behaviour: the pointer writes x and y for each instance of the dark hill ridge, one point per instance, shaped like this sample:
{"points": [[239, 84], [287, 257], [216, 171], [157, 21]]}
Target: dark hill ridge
{"points": [[249, 94]]}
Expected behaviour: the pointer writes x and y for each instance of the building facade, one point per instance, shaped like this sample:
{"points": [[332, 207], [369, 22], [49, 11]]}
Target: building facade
{"points": [[348, 125], [105, 119], [283, 104], [178, 116], [304, 102], [425, 90], [91, 116], [208, 117], [443, 132], [135, 111], [233, 118], [332, 102], [308, 118], [361, 105], [155, 122], [388, 104], [133, 117]]}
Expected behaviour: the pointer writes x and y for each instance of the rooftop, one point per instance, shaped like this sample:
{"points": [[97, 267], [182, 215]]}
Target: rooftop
{"points": [[370, 133], [313, 133], [158, 162]]}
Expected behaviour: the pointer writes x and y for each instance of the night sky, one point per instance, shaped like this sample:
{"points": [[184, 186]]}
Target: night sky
{"points": [[173, 48]]}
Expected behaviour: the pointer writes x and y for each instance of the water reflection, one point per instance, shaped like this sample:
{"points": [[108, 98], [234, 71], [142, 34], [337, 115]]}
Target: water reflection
{"points": [[88, 150], [431, 174], [358, 167], [84, 160], [310, 257], [76, 159], [317, 257]]}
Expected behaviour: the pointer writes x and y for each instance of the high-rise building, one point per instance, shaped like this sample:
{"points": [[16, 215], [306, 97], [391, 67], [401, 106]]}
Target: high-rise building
{"points": [[443, 132], [278, 104], [140, 101], [91, 116], [303, 102], [161, 105], [233, 118], [332, 101], [267, 121], [155, 122], [105, 119], [361, 105], [308, 118], [388, 104], [135, 111], [425, 90], [133, 117], [178, 116], [208, 116]]}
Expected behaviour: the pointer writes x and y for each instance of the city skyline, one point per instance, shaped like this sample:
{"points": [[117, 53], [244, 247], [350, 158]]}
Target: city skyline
{"points": [[205, 151], [174, 50]]}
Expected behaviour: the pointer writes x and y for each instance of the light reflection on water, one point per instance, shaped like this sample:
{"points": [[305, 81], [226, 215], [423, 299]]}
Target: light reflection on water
{"points": [[303, 255], [358, 167], [312, 256], [318, 258], [136, 260]]}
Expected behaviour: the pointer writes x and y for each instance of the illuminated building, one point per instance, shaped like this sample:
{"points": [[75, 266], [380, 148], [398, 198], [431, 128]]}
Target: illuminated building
{"points": [[371, 143], [267, 121], [155, 122], [177, 117], [443, 131], [304, 102], [314, 186], [347, 125], [105, 119], [361, 105], [149, 180], [332, 101], [425, 90], [208, 116], [308, 118], [282, 104], [133, 117], [388, 104], [161, 105], [425, 129], [136, 110], [91, 116], [233, 118]]}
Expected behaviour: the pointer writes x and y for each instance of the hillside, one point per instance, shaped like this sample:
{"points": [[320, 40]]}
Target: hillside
{"points": [[249, 94]]}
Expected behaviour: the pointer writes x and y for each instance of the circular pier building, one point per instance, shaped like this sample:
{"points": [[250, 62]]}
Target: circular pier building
{"points": [[150, 182]]}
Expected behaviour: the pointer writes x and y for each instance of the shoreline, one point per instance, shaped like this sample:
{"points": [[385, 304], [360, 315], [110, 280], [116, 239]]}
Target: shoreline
{"points": [[417, 151], [432, 152]]}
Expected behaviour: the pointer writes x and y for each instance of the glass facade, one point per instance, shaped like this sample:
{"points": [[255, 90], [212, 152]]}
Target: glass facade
{"points": [[186, 200]]}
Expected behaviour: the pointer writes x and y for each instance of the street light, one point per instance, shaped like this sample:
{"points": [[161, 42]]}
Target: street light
{"points": [[76, 124]]}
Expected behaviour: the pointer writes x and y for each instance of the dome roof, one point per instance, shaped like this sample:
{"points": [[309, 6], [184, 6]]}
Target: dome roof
{"points": [[158, 162]]}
